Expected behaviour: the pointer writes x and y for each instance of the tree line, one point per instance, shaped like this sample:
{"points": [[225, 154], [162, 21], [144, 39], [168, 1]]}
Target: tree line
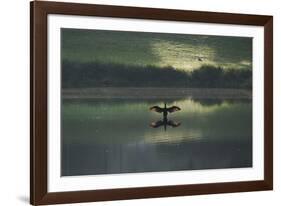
{"points": [[97, 74]]}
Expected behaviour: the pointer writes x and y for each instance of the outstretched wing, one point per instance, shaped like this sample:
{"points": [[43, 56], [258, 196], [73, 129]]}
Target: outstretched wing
{"points": [[173, 109], [157, 124], [173, 123], [156, 109]]}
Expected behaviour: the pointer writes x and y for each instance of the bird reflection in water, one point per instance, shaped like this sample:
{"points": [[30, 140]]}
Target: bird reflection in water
{"points": [[165, 121]]}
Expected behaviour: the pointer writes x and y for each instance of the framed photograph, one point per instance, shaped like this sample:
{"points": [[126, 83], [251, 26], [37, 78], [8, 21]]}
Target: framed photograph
{"points": [[133, 102]]}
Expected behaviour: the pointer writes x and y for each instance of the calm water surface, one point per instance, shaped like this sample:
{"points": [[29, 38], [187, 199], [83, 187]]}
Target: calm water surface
{"points": [[107, 136]]}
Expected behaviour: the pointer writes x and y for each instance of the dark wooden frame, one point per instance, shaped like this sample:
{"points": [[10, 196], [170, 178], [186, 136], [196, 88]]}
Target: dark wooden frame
{"points": [[38, 102]]}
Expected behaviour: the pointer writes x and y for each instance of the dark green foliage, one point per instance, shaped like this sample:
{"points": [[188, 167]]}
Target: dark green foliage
{"points": [[217, 77], [207, 76], [87, 75]]}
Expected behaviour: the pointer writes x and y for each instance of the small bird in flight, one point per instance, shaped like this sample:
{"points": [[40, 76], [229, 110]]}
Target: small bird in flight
{"points": [[200, 58]]}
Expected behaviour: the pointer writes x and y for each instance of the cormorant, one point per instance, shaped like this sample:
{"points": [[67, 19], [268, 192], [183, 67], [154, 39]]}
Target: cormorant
{"points": [[164, 122], [165, 110]]}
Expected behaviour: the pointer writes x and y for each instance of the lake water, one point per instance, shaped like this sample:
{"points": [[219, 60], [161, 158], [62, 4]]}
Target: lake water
{"points": [[109, 136]]}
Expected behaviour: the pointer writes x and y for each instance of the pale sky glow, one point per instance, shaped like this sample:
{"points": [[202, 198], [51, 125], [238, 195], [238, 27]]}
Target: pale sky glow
{"points": [[181, 51]]}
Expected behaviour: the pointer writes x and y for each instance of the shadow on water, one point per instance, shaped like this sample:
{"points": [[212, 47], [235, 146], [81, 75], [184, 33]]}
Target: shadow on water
{"points": [[164, 122], [142, 157]]}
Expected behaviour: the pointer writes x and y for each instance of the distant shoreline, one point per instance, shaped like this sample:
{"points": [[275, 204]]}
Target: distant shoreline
{"points": [[155, 93]]}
